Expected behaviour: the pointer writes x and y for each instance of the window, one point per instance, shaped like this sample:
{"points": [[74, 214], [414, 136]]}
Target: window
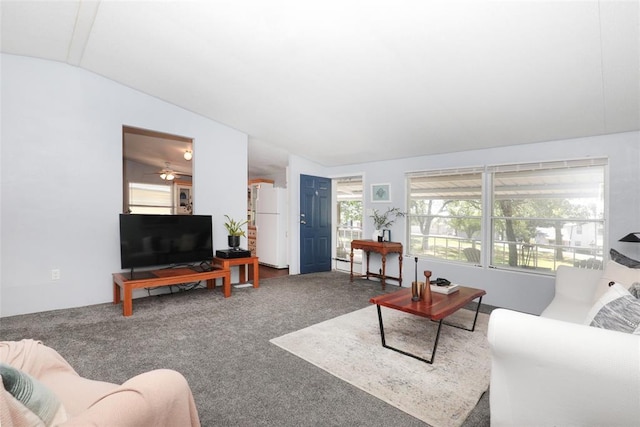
{"points": [[535, 217], [445, 214], [548, 214], [150, 199], [349, 214]]}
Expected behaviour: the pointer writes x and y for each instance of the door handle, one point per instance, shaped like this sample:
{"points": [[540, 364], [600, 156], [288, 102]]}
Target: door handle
{"points": [[303, 222]]}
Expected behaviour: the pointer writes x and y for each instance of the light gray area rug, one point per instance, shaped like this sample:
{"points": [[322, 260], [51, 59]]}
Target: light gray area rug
{"points": [[441, 394]]}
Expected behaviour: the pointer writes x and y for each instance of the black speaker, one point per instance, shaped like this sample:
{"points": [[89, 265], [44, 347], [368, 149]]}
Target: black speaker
{"points": [[233, 253]]}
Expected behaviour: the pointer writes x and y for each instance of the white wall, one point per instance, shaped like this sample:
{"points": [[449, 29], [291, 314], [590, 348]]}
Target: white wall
{"points": [[519, 291], [61, 170], [61, 188], [279, 179]]}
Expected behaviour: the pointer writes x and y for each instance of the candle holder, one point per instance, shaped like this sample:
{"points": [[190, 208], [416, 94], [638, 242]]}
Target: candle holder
{"points": [[415, 290], [426, 291]]}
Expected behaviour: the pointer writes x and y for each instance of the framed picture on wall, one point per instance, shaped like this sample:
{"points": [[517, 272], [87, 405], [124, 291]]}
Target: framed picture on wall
{"points": [[380, 192]]}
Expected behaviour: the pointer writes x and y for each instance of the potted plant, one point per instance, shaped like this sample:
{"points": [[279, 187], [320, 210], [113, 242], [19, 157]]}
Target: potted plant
{"points": [[235, 231], [382, 220]]}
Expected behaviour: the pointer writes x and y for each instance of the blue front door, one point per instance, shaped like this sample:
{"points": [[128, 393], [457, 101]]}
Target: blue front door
{"points": [[315, 224]]}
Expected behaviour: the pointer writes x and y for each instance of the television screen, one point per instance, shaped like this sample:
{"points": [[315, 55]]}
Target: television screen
{"points": [[155, 240]]}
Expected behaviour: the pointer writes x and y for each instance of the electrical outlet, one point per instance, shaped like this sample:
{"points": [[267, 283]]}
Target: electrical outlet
{"points": [[55, 274]]}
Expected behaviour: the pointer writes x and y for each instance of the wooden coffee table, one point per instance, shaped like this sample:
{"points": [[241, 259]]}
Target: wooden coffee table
{"points": [[440, 307]]}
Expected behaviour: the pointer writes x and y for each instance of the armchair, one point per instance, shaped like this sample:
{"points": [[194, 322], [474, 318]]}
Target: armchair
{"points": [[39, 388]]}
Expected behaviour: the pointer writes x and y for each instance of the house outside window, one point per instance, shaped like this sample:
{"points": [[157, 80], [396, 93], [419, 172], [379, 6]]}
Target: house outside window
{"points": [[536, 216]]}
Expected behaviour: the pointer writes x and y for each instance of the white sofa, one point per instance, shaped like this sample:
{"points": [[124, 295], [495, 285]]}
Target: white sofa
{"points": [[555, 370]]}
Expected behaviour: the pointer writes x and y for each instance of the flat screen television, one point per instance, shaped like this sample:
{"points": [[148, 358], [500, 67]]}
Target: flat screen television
{"points": [[156, 240]]}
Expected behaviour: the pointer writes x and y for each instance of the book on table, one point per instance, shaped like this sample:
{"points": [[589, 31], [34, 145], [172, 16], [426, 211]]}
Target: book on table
{"points": [[445, 289]]}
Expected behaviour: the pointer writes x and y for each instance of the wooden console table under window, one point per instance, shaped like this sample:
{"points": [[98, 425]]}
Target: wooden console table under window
{"points": [[383, 248], [164, 277], [227, 263]]}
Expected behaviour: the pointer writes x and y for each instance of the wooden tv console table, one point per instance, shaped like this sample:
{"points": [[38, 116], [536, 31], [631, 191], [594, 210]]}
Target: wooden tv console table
{"points": [[251, 261], [164, 277]]}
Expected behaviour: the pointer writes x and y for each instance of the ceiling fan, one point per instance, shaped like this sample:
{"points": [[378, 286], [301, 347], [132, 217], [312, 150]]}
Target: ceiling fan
{"points": [[169, 174]]}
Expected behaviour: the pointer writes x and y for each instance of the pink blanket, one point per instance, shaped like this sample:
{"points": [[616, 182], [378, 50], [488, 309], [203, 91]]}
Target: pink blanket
{"points": [[156, 398]]}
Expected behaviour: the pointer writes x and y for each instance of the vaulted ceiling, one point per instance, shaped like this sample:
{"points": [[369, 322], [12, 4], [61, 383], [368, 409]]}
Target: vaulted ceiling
{"points": [[349, 81]]}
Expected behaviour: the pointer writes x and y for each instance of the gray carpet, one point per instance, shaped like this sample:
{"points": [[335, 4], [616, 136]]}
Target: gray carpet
{"points": [[222, 347]]}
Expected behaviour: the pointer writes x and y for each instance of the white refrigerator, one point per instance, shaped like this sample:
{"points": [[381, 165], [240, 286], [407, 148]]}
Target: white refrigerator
{"points": [[271, 226]]}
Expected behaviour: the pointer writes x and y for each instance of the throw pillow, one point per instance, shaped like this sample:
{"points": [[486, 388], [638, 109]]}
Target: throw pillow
{"points": [[623, 259], [616, 310], [635, 289], [617, 273], [32, 394]]}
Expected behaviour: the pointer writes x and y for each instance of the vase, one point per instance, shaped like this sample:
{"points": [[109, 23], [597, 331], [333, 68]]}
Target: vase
{"points": [[234, 242], [425, 294], [376, 234]]}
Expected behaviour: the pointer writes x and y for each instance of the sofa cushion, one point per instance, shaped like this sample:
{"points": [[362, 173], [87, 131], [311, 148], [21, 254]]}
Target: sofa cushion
{"points": [[574, 290], [31, 393], [623, 259], [616, 273], [616, 310]]}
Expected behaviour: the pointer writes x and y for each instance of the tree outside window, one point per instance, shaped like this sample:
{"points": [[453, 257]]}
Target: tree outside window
{"points": [[444, 215], [542, 215]]}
